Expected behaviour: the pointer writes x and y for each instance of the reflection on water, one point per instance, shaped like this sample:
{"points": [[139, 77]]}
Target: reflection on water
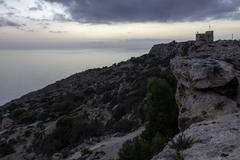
{"points": [[25, 71]]}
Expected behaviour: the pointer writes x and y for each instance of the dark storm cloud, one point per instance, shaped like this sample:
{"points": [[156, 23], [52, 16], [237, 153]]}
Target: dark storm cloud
{"points": [[105, 11], [7, 23]]}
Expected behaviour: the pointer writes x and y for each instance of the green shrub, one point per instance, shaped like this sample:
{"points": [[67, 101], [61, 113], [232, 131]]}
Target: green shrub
{"points": [[182, 142], [12, 107], [43, 116], [86, 151], [216, 70], [23, 116], [17, 113], [6, 149], [1, 115], [28, 117], [136, 149], [125, 126], [177, 156], [159, 109], [127, 151], [69, 132], [141, 148], [159, 112], [158, 143], [64, 107], [65, 122]]}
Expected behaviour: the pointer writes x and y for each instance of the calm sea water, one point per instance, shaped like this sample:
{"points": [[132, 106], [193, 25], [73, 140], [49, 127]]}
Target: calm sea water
{"points": [[25, 71]]}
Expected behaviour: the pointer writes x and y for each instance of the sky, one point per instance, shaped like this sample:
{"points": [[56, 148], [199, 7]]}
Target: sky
{"points": [[50, 24]]}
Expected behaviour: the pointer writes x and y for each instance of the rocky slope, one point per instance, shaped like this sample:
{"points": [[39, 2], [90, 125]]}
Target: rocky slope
{"points": [[103, 102]]}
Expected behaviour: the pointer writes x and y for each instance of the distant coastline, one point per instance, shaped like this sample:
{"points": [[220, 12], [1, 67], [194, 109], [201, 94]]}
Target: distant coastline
{"points": [[25, 71]]}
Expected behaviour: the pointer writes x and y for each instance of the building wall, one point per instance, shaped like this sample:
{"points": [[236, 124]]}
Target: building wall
{"points": [[209, 36], [205, 37], [200, 37]]}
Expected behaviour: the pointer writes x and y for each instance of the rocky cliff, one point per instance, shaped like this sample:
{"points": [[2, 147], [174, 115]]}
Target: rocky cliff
{"points": [[208, 99], [101, 107]]}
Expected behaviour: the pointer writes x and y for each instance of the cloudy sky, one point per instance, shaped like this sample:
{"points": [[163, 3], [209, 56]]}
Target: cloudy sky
{"points": [[98, 23]]}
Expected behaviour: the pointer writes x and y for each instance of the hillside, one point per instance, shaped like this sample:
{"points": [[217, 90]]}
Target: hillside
{"points": [[90, 115]]}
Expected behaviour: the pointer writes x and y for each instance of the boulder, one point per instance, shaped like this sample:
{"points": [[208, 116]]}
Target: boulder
{"points": [[202, 73]]}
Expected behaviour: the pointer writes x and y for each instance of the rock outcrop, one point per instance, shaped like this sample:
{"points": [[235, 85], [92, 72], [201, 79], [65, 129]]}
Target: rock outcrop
{"points": [[202, 73], [207, 88], [216, 139], [208, 100]]}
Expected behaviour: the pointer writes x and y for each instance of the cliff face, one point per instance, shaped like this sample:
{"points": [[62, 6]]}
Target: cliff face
{"points": [[208, 99], [207, 94]]}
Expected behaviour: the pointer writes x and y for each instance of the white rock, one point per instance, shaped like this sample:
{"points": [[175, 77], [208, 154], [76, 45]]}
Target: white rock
{"points": [[194, 104], [202, 73], [218, 140]]}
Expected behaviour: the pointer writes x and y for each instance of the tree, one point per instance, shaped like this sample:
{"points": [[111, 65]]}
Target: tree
{"points": [[160, 108]]}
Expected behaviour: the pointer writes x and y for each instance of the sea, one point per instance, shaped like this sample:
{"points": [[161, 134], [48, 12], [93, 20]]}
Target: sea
{"points": [[24, 71]]}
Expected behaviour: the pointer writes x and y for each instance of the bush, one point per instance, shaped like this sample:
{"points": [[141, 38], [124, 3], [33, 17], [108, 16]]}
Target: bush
{"points": [[141, 148], [16, 114], [159, 109], [28, 117], [12, 107], [125, 126], [86, 151], [43, 116], [136, 149], [23, 116], [158, 143], [182, 142], [69, 132], [177, 156], [160, 114], [6, 149], [65, 122], [64, 107]]}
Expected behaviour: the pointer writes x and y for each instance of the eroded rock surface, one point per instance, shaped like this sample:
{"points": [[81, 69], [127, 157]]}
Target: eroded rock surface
{"points": [[208, 100], [202, 73], [207, 88], [217, 139]]}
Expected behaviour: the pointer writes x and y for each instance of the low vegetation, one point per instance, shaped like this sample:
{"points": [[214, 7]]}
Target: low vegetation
{"points": [[159, 112], [6, 149], [182, 142], [125, 126], [69, 131], [23, 116], [177, 156]]}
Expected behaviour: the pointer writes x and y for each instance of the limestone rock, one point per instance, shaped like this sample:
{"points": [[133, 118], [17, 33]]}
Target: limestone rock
{"points": [[196, 106], [202, 73], [207, 89], [217, 139]]}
